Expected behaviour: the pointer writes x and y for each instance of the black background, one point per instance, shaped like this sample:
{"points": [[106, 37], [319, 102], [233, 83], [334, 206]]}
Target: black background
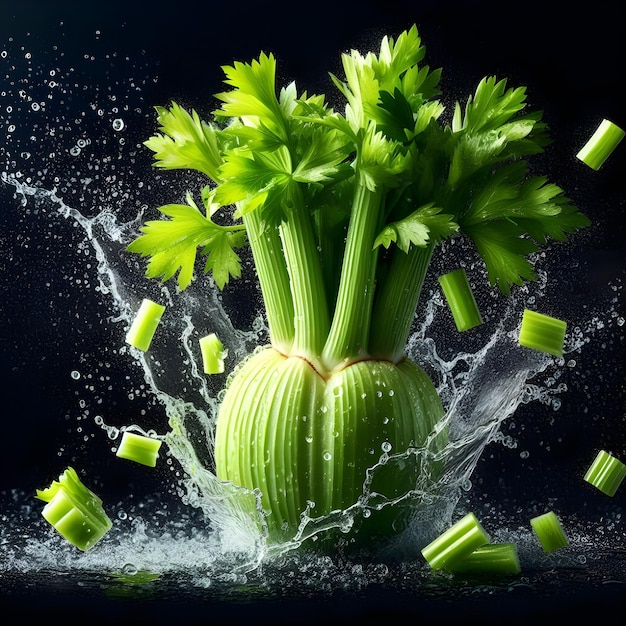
{"points": [[571, 60]]}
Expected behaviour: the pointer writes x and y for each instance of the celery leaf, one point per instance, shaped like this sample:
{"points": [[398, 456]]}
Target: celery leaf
{"points": [[172, 245], [511, 215], [185, 142], [425, 225]]}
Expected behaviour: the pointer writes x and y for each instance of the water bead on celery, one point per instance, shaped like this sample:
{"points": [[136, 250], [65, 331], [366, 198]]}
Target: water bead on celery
{"points": [[542, 332], [138, 448], [606, 473], [145, 324]]}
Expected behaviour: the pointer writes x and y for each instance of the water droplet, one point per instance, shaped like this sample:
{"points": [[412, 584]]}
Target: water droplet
{"points": [[75, 375], [118, 124], [327, 456], [74, 150], [386, 446]]}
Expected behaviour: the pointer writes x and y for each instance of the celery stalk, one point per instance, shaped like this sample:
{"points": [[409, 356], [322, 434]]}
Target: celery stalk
{"points": [[549, 531], [542, 332], [492, 558], [213, 354], [601, 144], [460, 298], [456, 543], [138, 448], [606, 473], [144, 325], [343, 212], [74, 511]]}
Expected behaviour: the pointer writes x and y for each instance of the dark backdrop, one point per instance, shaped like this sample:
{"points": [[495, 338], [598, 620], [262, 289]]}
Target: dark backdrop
{"points": [[571, 60]]}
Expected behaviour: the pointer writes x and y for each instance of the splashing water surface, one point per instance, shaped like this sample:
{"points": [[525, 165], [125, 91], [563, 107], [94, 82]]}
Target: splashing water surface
{"points": [[79, 210]]}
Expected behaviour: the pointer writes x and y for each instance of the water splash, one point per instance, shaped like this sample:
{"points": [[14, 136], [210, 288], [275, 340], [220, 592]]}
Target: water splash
{"points": [[481, 386], [480, 389]]}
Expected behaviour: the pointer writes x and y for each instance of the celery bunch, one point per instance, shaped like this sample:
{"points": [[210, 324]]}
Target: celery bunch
{"points": [[342, 212]]}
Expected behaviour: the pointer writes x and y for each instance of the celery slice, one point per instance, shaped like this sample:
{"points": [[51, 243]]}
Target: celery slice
{"points": [[601, 144], [74, 511], [145, 324], [549, 531], [542, 332], [138, 448], [606, 473], [495, 558], [213, 354], [460, 298], [456, 543]]}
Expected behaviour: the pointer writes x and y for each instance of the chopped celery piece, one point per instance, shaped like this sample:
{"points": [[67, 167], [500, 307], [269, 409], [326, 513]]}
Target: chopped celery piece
{"points": [[138, 448], [601, 144], [542, 332], [549, 531], [145, 324], [492, 558], [460, 298], [606, 473], [212, 354], [74, 511], [456, 543]]}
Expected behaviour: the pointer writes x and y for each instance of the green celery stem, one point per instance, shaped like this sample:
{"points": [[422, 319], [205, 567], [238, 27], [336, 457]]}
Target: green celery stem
{"points": [[606, 473], [396, 302], [310, 308], [549, 531], [542, 332], [145, 324], [456, 543], [492, 558], [349, 332], [460, 298], [601, 144], [273, 279]]}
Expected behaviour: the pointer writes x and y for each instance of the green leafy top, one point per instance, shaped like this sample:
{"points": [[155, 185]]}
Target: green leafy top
{"points": [[335, 188]]}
